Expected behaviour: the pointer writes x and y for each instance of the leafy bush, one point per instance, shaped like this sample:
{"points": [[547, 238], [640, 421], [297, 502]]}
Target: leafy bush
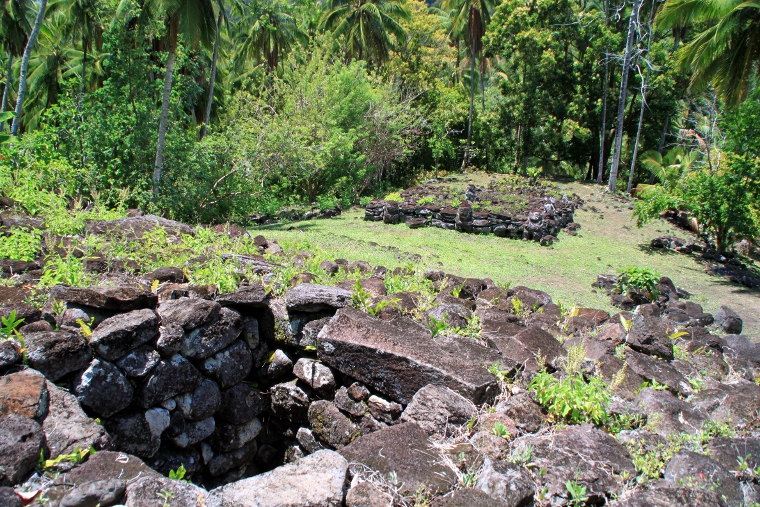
{"points": [[393, 196], [642, 279], [20, 245], [573, 398]]}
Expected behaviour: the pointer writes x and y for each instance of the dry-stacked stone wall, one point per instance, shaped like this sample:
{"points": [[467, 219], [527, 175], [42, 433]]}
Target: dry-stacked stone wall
{"points": [[545, 217]]}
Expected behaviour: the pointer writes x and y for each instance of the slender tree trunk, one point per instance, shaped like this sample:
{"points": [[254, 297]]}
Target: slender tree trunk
{"points": [[483, 108], [212, 79], [643, 100], [466, 159], [25, 67], [7, 88], [164, 118], [83, 84], [600, 172], [621, 99]]}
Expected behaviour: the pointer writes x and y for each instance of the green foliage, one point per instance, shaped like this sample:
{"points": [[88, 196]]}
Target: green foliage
{"points": [[393, 196], [577, 493], [643, 279], [67, 270], [178, 474], [573, 397], [496, 370], [500, 430], [10, 324], [437, 326], [20, 244], [426, 200], [75, 457]]}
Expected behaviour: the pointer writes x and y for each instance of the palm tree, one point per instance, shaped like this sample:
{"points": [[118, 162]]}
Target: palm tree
{"points": [[668, 168], [272, 33], [25, 66], [13, 37], [474, 15], [195, 20], [725, 54], [367, 26], [82, 17]]}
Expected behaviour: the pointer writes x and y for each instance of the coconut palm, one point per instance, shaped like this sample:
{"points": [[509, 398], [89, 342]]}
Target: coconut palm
{"points": [[82, 18], [272, 33], [471, 19], [668, 168], [193, 19], [369, 26], [25, 66], [725, 54]]}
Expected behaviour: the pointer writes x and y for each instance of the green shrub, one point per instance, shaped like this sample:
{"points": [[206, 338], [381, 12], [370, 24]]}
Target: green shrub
{"points": [[20, 245], [643, 279], [572, 398], [393, 196]]}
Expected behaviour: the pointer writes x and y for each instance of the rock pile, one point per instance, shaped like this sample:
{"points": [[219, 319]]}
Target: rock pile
{"points": [[303, 399], [541, 222]]}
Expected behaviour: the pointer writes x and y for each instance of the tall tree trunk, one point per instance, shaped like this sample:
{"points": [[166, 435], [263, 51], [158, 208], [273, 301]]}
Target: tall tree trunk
{"points": [[212, 79], [83, 84], [621, 99], [7, 88], [483, 108], [25, 67], [600, 172], [466, 159], [164, 118], [643, 101]]}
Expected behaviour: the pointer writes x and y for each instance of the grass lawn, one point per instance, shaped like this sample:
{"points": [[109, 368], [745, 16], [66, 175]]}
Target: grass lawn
{"points": [[607, 242]]}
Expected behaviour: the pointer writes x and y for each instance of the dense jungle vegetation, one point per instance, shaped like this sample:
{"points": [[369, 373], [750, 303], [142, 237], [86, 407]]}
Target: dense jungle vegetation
{"points": [[207, 110]]}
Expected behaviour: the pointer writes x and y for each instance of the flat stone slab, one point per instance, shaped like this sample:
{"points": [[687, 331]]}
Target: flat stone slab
{"points": [[121, 298], [314, 481], [308, 297], [403, 455], [399, 357], [25, 394], [117, 335], [245, 297]]}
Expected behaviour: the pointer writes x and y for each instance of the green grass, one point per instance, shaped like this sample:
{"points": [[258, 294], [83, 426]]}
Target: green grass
{"points": [[565, 270]]}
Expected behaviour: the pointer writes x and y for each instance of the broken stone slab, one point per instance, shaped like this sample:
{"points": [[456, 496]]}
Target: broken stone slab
{"points": [[651, 368], [398, 358], [113, 338], [649, 335], [207, 340], [528, 345], [316, 375], [700, 471], [583, 454], [728, 320], [316, 480], [202, 403], [189, 313], [229, 366], [145, 492], [104, 465], [103, 388], [21, 440], [365, 494], [121, 298], [330, 425], [737, 404], [404, 453], [24, 393], [104, 492], [57, 353], [169, 378], [67, 427], [667, 414], [308, 297], [138, 432], [290, 402], [668, 494], [434, 408], [246, 297], [506, 483]]}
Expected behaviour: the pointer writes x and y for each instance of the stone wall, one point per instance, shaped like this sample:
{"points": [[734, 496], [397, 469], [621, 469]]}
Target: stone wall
{"points": [[541, 222]]}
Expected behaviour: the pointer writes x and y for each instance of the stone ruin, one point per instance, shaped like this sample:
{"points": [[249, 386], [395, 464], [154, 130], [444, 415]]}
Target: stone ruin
{"points": [[541, 221], [303, 400]]}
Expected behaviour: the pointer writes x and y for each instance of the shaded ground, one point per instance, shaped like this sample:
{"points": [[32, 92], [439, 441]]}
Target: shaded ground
{"points": [[607, 242]]}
